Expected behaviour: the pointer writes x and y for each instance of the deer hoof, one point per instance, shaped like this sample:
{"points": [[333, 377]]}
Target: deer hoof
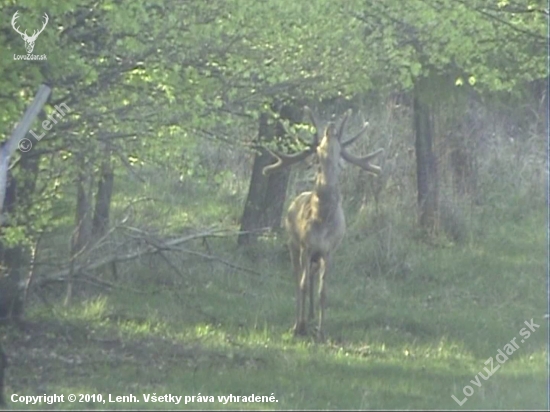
{"points": [[320, 335], [299, 329]]}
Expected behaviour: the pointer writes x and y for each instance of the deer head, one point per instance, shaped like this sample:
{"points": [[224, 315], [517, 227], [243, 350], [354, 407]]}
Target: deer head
{"points": [[328, 147], [29, 40]]}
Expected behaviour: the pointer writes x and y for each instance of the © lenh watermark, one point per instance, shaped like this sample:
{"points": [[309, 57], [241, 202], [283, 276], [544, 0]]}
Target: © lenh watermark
{"points": [[26, 144], [29, 40], [501, 357]]}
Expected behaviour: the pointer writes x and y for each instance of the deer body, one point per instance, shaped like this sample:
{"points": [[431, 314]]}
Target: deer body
{"points": [[316, 225], [315, 221]]}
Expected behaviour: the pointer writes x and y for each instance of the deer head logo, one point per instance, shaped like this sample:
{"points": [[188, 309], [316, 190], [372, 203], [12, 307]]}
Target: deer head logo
{"points": [[29, 40]]}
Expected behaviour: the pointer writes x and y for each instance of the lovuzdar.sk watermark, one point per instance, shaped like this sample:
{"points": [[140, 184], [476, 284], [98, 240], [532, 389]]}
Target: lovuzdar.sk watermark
{"points": [[501, 357], [29, 40]]}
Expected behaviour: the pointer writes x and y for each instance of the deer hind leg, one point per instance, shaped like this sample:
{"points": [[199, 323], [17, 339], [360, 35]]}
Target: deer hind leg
{"points": [[301, 293], [314, 272], [311, 286]]}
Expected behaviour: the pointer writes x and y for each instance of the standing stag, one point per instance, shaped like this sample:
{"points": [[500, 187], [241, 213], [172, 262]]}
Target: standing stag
{"points": [[315, 220]]}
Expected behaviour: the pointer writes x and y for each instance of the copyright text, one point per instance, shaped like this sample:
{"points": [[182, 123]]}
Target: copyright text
{"points": [[146, 398]]}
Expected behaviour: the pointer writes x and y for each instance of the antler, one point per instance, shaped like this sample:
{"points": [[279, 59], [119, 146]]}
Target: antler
{"points": [[284, 160], [354, 138], [15, 16], [343, 124], [363, 162], [35, 34]]}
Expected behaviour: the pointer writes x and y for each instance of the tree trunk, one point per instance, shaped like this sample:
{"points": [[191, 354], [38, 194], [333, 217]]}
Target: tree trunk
{"points": [[27, 177], [103, 198], [11, 292], [83, 221], [462, 164], [275, 197], [82, 234], [251, 219], [266, 195], [277, 183], [426, 166], [11, 257], [3, 366]]}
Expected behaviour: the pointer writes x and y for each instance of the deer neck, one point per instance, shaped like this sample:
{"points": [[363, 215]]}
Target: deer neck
{"points": [[327, 191], [327, 177]]}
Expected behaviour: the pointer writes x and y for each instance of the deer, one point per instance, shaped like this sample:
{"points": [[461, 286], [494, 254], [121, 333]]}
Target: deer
{"points": [[315, 221]]}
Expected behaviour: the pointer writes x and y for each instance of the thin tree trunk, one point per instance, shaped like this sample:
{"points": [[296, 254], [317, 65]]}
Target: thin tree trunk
{"points": [[103, 197], [426, 166], [82, 234], [83, 222]]}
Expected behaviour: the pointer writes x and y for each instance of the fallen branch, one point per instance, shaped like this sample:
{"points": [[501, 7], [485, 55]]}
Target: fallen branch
{"points": [[153, 246], [217, 259]]}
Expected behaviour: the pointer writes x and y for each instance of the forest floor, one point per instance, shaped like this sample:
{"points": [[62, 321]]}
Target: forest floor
{"points": [[409, 340]]}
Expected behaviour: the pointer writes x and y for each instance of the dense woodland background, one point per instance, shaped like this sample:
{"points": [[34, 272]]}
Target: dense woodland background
{"points": [[141, 246]]}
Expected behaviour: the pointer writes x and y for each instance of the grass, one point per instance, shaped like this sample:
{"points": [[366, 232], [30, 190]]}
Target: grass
{"points": [[405, 330]]}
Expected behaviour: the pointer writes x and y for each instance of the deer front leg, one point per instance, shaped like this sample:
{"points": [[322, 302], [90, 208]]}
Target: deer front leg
{"points": [[323, 266], [296, 260]]}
